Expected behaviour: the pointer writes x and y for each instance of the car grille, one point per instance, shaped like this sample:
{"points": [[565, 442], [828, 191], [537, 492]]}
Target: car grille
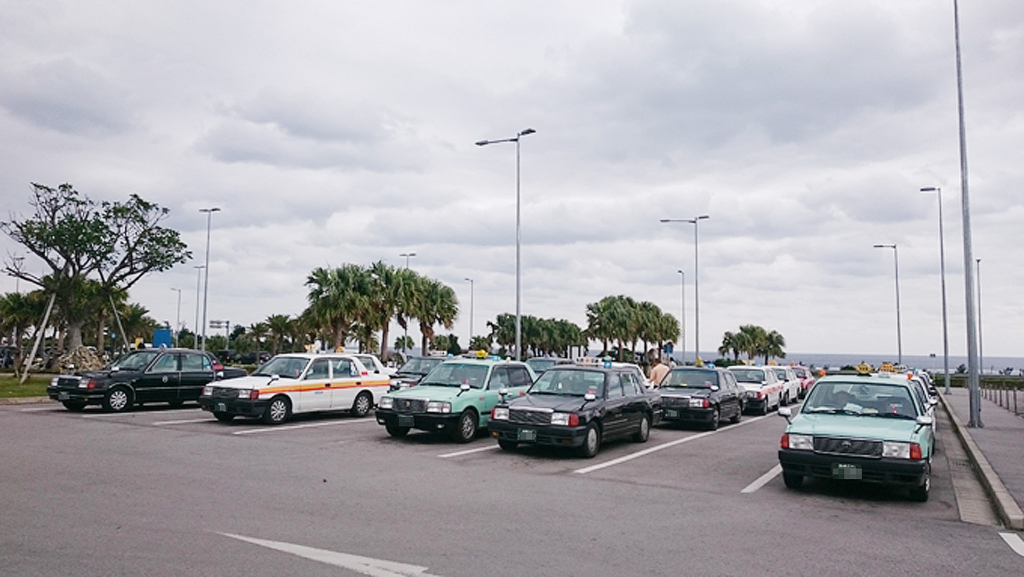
{"points": [[411, 405], [224, 393], [675, 401], [844, 446], [68, 382], [528, 417]]}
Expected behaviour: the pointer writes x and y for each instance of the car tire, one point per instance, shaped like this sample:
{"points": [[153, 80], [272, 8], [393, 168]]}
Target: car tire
{"points": [[117, 400], [591, 441], [792, 480], [466, 426], [362, 405], [508, 445], [766, 407], [920, 493], [644, 432], [74, 406], [176, 404], [277, 411], [396, 431], [224, 417], [716, 418], [739, 415]]}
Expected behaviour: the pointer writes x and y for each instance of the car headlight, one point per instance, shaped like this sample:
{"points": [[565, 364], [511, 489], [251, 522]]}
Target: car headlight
{"points": [[801, 442], [500, 414], [560, 419], [439, 407], [895, 450], [386, 402], [208, 391], [53, 381]]}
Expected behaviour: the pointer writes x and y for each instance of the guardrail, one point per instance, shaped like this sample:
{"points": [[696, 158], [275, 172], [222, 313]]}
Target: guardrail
{"points": [[1006, 393]]}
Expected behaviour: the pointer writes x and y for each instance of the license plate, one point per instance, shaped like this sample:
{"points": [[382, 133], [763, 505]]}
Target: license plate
{"points": [[527, 434], [63, 396], [671, 413], [221, 408], [846, 471], [406, 420]]}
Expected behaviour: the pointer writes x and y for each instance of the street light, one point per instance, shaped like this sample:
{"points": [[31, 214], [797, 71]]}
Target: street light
{"points": [[206, 282], [696, 287], [519, 325], [405, 338], [199, 278], [942, 268], [899, 333], [682, 322], [469, 343], [17, 266], [177, 322], [407, 255], [981, 350]]}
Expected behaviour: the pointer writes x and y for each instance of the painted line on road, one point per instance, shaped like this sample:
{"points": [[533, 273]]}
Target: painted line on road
{"points": [[654, 449], [132, 413], [38, 409], [763, 480], [306, 426], [468, 451], [182, 422], [1014, 541]]}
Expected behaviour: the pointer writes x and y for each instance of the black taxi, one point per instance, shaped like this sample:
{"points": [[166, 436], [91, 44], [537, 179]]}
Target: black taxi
{"points": [[578, 406]]}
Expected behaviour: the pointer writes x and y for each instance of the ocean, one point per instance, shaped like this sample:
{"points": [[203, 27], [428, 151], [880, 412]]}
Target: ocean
{"points": [[992, 365]]}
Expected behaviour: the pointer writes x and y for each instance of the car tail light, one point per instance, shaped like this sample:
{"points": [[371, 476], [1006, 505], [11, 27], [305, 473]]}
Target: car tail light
{"points": [[91, 384], [760, 394], [707, 403], [784, 442], [218, 367], [915, 451], [574, 420]]}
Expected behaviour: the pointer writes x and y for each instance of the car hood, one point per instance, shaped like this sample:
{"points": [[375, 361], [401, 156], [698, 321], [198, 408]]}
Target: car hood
{"points": [[107, 374], [553, 402], [432, 392], [684, 393], [879, 428], [253, 382]]}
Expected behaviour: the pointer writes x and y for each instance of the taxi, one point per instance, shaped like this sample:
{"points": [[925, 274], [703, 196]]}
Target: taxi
{"points": [[764, 389], [869, 427], [297, 383], [455, 397]]}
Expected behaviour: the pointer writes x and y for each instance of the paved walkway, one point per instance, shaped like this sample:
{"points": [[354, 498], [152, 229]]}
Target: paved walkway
{"points": [[1000, 444]]}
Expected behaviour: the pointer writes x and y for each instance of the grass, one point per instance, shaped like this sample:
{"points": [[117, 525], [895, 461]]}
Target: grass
{"points": [[35, 386]]}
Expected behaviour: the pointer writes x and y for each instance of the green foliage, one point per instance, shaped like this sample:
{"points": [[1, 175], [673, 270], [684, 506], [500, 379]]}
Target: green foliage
{"points": [[626, 322], [754, 341]]}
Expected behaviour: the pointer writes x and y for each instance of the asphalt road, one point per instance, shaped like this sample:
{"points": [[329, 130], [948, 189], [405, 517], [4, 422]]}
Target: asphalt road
{"points": [[174, 493]]}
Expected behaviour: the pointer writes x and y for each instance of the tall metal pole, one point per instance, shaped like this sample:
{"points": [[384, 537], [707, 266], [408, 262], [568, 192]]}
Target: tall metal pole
{"points": [[469, 343], [206, 282], [942, 269], [965, 209], [17, 266], [199, 280], [682, 323], [696, 284], [405, 336], [177, 322], [899, 332], [981, 349], [519, 285]]}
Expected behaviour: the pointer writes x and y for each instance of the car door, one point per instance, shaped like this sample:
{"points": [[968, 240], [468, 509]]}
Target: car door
{"points": [[346, 379], [196, 372], [159, 381], [499, 379], [616, 418], [737, 392], [314, 387], [633, 389]]}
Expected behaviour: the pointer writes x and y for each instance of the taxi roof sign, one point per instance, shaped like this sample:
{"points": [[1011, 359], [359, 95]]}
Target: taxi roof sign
{"points": [[864, 369], [887, 368]]}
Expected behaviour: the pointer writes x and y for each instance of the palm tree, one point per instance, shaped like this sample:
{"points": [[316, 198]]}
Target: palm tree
{"points": [[503, 330], [19, 312], [136, 323], [437, 304], [774, 344], [338, 299], [281, 329]]}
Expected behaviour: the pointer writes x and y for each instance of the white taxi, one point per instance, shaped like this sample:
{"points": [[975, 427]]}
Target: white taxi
{"points": [[764, 389], [295, 383]]}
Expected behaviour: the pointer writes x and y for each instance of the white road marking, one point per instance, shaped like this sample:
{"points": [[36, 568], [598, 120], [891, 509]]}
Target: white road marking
{"points": [[131, 413], [763, 480], [182, 422], [1014, 541], [306, 426], [468, 451], [656, 448], [364, 565], [36, 409]]}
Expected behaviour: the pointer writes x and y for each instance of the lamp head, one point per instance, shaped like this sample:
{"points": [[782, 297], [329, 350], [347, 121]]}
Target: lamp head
{"points": [[483, 142], [527, 131]]}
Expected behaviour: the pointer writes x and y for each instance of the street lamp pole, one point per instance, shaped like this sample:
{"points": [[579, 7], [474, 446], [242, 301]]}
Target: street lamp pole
{"points": [[942, 268], [981, 350], [405, 336], [519, 285], [899, 332], [469, 343], [206, 282], [682, 321], [199, 280], [696, 285], [17, 266], [177, 322]]}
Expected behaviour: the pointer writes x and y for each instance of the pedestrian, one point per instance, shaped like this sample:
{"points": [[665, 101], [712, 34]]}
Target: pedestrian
{"points": [[658, 371]]}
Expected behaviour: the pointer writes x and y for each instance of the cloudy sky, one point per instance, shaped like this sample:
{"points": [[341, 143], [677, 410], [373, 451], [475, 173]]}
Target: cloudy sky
{"points": [[343, 132]]}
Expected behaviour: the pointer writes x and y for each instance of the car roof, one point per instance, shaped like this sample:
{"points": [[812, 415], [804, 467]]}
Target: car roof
{"points": [[872, 379]]}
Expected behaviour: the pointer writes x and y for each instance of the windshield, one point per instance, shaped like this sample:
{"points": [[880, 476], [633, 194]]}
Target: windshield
{"points": [[573, 383], [781, 373], [456, 374], [540, 365], [284, 367], [419, 366], [862, 399], [748, 375], [689, 378], [135, 361]]}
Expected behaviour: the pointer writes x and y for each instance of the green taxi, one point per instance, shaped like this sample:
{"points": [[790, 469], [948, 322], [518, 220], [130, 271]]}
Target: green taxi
{"points": [[455, 397], [869, 428]]}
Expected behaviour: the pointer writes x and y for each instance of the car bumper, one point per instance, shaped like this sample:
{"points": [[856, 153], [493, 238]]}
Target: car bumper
{"points": [[87, 396], [540, 435], [885, 470], [242, 407], [422, 421], [755, 404], [687, 415]]}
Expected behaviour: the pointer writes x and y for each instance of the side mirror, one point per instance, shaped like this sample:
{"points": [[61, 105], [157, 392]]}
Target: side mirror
{"points": [[786, 413], [463, 388], [589, 397], [932, 402], [503, 392], [714, 387], [924, 421]]}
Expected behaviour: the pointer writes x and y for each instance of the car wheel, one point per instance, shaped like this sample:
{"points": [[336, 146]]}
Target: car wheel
{"points": [[224, 417], [507, 445], [591, 441], [766, 407], [117, 400], [362, 405], [465, 429], [644, 432], [792, 480], [74, 406], [176, 404], [396, 431], [739, 415], [277, 411], [716, 418], [920, 493]]}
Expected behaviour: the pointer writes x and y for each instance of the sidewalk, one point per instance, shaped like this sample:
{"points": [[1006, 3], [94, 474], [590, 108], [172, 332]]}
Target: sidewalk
{"points": [[996, 450]]}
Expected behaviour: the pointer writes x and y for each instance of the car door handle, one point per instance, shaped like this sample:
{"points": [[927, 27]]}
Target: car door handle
{"points": [[328, 385]]}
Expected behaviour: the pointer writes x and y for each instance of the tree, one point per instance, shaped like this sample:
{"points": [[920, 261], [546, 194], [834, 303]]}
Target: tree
{"points": [[755, 341], [115, 244], [436, 304], [338, 299], [18, 313]]}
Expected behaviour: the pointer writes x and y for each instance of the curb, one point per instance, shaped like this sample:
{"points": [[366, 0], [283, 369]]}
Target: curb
{"points": [[24, 400], [1007, 509]]}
